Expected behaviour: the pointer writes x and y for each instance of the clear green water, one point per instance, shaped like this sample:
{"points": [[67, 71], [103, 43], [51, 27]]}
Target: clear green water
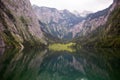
{"points": [[39, 64]]}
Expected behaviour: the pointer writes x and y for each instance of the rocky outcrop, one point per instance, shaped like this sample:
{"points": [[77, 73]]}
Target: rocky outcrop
{"points": [[18, 24], [58, 23]]}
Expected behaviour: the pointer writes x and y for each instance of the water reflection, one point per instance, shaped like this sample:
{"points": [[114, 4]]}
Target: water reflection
{"points": [[39, 64], [1, 51]]}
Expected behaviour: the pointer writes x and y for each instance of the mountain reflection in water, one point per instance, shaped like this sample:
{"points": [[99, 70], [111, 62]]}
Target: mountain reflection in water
{"points": [[39, 64]]}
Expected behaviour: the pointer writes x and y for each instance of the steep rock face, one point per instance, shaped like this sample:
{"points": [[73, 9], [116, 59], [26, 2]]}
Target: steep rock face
{"points": [[106, 32], [2, 44], [94, 21], [114, 18], [57, 22], [18, 24], [91, 23]]}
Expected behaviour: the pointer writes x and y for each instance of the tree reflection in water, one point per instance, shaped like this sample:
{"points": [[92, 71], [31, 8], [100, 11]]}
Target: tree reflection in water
{"points": [[39, 64]]}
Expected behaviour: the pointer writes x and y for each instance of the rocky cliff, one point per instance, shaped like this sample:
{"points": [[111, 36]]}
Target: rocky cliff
{"points": [[18, 24], [58, 23], [91, 22], [101, 29]]}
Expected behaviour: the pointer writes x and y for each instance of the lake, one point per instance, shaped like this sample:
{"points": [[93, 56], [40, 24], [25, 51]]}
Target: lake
{"points": [[45, 64]]}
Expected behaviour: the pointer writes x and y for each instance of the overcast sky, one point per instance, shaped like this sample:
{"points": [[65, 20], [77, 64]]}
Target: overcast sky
{"points": [[78, 5]]}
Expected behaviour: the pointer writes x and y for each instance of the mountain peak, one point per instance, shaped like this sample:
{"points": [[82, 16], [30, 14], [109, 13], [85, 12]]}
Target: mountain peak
{"points": [[57, 22]]}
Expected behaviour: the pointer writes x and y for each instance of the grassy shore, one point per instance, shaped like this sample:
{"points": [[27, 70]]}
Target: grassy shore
{"points": [[62, 47]]}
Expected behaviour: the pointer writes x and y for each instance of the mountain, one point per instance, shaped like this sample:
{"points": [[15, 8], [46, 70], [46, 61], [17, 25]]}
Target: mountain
{"points": [[82, 14], [91, 23], [57, 23], [23, 25], [19, 25], [101, 29]]}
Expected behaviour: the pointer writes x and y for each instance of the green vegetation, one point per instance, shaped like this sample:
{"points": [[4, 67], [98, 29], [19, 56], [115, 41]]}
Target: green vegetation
{"points": [[62, 47], [107, 36], [23, 20], [9, 38], [15, 31], [112, 31]]}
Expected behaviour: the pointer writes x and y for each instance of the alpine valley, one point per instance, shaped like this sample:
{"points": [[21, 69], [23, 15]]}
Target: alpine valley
{"points": [[22, 24], [43, 43]]}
